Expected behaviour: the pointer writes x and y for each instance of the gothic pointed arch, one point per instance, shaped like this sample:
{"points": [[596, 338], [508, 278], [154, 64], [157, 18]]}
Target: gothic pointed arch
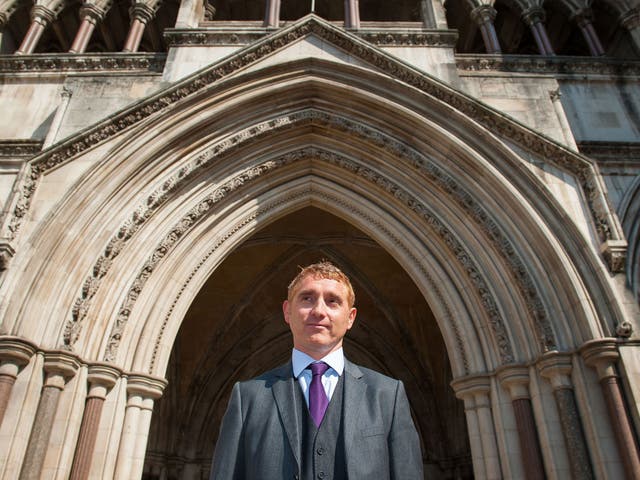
{"points": [[230, 135]]}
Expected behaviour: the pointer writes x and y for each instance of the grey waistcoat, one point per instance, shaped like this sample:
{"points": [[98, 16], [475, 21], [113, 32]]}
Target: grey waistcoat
{"points": [[323, 448]]}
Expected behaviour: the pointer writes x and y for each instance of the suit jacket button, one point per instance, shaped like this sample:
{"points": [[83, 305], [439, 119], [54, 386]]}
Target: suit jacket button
{"points": [[321, 475], [320, 451]]}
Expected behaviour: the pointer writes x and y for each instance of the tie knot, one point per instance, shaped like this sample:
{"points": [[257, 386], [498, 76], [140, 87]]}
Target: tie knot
{"points": [[318, 368]]}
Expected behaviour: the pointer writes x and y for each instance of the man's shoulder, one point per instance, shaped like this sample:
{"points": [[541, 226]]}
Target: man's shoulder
{"points": [[283, 372], [371, 377]]}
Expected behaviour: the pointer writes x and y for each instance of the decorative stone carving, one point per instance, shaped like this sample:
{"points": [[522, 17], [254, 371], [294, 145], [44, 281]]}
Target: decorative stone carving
{"points": [[402, 151], [548, 65], [449, 318], [176, 37], [94, 62], [244, 178], [431, 38], [499, 124], [615, 254], [19, 148]]}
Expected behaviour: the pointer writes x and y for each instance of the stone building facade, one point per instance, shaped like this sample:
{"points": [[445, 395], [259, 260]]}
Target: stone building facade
{"points": [[473, 165]]}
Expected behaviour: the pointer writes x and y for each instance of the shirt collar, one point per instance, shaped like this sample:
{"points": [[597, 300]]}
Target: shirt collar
{"points": [[301, 360]]}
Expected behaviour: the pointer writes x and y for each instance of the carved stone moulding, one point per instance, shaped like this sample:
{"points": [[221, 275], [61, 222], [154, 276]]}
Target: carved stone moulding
{"points": [[6, 254], [385, 37], [71, 62], [549, 65], [612, 151], [176, 37], [520, 134], [19, 148], [244, 35]]}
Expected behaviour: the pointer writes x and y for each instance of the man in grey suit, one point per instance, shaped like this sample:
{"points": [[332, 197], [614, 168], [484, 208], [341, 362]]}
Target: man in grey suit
{"points": [[318, 416]]}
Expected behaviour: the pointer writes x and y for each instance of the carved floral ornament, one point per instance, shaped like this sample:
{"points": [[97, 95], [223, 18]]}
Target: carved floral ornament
{"points": [[490, 119], [404, 153]]}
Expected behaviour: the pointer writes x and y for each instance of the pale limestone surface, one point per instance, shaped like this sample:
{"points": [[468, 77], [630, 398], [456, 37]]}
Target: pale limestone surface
{"points": [[28, 106]]}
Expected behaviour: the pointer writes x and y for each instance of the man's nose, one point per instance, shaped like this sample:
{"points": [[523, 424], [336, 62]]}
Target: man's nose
{"points": [[319, 308]]}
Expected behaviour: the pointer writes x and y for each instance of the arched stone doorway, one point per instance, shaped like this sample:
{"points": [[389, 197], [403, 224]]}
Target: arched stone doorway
{"points": [[234, 330]]}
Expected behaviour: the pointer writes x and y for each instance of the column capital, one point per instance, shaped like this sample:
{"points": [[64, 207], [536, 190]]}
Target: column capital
{"points": [[483, 14], [143, 11], [146, 386], [515, 378], [631, 18], [16, 350], [94, 12], [49, 9], [556, 367], [59, 367], [534, 15], [582, 17], [209, 11], [45, 14], [103, 374], [471, 386], [601, 354]]}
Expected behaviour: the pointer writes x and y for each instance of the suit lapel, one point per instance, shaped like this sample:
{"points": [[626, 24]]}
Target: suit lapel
{"points": [[289, 414], [354, 393]]}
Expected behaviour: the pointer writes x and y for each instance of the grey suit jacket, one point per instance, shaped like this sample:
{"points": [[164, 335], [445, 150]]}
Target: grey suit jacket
{"points": [[260, 436]]}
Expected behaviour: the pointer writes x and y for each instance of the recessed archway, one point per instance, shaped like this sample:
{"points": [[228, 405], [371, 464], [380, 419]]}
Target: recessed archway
{"points": [[234, 330]]}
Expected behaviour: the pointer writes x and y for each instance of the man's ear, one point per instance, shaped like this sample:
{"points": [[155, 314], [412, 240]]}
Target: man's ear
{"points": [[352, 317], [285, 310]]}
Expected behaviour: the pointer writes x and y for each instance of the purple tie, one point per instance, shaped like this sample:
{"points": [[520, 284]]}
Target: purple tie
{"points": [[318, 400]]}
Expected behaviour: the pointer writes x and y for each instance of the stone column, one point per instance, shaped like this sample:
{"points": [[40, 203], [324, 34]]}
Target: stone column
{"points": [[515, 379], [534, 18], [484, 15], [475, 392], [91, 14], [432, 14], [15, 354], [142, 390], [602, 354], [556, 367], [272, 14], [7, 7], [59, 368], [41, 16], [101, 378], [583, 19], [351, 14], [141, 14], [631, 21]]}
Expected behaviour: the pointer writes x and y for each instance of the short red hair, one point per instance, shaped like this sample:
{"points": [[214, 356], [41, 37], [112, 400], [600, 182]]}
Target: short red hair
{"points": [[320, 270]]}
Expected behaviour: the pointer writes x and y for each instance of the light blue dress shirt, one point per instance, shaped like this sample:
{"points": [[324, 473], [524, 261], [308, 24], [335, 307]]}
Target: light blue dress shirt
{"points": [[301, 361]]}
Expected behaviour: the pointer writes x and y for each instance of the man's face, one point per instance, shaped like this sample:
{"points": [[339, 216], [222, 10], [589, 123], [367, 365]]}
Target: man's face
{"points": [[318, 315]]}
